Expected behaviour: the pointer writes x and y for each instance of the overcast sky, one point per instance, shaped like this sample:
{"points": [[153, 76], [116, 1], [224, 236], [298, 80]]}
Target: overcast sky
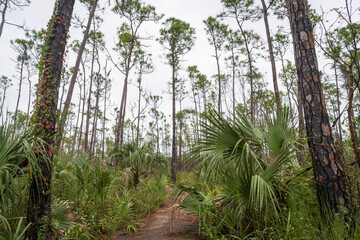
{"points": [[191, 11]]}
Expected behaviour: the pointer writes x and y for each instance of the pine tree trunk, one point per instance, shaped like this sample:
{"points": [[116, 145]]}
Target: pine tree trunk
{"points": [[44, 120], [104, 121], [86, 137], [328, 170], [62, 96], [157, 135], [74, 75], [173, 153], [219, 77], [251, 76], [271, 53], [138, 115], [233, 81], [302, 133], [119, 134], [180, 165], [76, 126], [93, 132], [83, 108], [2, 102], [352, 123], [29, 101], [6, 4], [19, 94], [338, 110]]}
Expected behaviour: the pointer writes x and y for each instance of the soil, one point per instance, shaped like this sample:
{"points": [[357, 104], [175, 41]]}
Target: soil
{"points": [[169, 222]]}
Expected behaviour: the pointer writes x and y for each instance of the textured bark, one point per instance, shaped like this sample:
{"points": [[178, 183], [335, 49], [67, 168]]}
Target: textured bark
{"points": [[39, 209], [302, 133], [271, 53], [74, 75], [328, 170]]}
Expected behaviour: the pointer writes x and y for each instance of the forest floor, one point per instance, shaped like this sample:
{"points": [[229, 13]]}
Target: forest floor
{"points": [[169, 222]]}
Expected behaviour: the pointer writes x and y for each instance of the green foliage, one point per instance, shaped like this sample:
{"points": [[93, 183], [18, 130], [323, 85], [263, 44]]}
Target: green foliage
{"points": [[136, 11], [8, 234], [17, 161], [23, 48], [216, 31], [99, 198], [140, 160], [177, 37], [244, 10], [248, 164]]}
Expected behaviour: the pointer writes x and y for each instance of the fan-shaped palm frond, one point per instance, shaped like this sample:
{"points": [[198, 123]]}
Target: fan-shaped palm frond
{"points": [[247, 159]]}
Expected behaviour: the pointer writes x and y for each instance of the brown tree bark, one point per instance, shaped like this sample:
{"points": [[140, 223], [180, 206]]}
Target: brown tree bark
{"points": [[328, 170], [44, 120], [302, 133], [271, 53]]}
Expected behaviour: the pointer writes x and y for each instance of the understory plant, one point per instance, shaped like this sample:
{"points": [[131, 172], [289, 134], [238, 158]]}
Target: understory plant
{"points": [[245, 165], [15, 157], [140, 160], [99, 199]]}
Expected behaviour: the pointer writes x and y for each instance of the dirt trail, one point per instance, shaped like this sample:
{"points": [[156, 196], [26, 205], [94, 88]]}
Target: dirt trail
{"points": [[169, 222]]}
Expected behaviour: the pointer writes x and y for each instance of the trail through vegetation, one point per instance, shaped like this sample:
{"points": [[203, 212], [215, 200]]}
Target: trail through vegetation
{"points": [[167, 223], [134, 128]]}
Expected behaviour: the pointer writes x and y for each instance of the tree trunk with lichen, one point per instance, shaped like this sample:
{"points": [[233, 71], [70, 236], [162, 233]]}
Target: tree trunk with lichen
{"points": [[328, 170], [44, 120]]}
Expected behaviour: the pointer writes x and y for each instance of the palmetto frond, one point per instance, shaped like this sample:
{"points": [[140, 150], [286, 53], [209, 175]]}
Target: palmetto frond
{"points": [[247, 159]]}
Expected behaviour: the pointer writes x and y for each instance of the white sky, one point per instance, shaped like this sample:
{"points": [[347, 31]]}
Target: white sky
{"points": [[191, 11]]}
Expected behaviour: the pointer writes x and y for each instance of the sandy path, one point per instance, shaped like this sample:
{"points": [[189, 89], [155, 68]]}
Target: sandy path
{"points": [[169, 222]]}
